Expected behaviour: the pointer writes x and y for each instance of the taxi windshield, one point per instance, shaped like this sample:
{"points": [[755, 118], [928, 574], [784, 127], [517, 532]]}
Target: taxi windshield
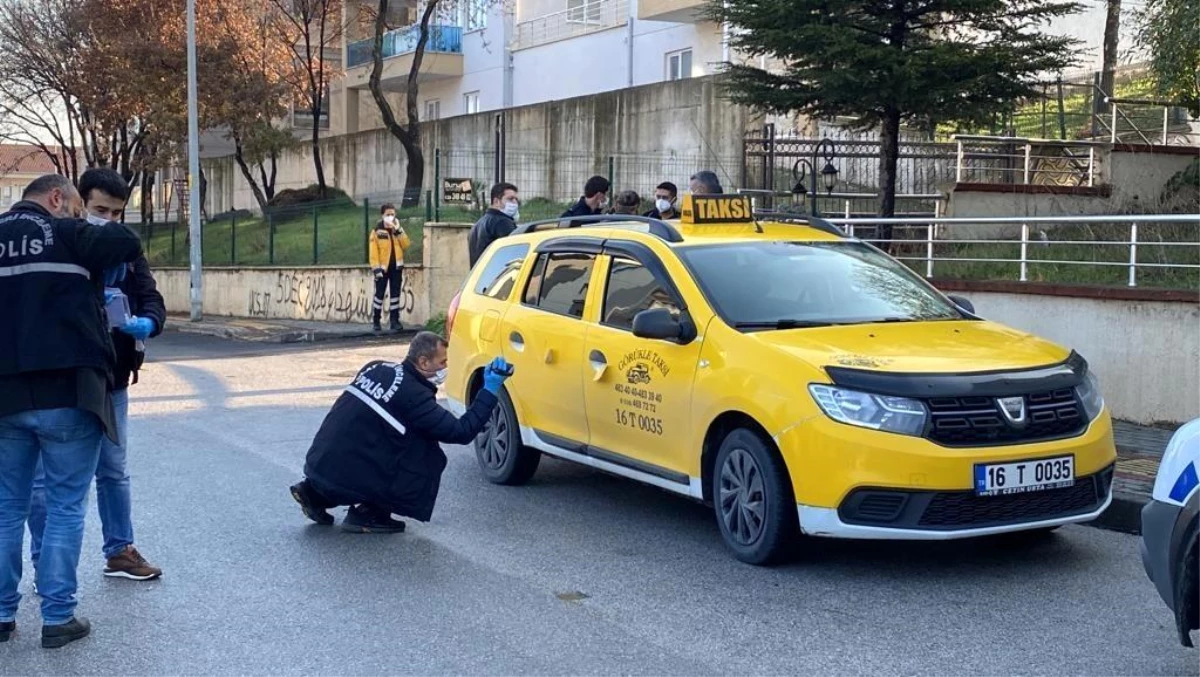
{"points": [[782, 285]]}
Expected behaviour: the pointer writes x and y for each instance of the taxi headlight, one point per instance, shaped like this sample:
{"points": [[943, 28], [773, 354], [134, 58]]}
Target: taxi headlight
{"points": [[877, 412], [1089, 395]]}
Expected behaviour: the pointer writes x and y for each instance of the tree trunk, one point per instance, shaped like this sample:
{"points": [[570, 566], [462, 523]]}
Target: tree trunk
{"points": [[316, 146], [249, 176], [889, 154], [147, 196], [414, 175], [1112, 34]]}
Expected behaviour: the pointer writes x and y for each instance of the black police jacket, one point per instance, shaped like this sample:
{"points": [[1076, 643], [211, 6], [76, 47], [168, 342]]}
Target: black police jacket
{"points": [[493, 225], [379, 443], [52, 283], [144, 301]]}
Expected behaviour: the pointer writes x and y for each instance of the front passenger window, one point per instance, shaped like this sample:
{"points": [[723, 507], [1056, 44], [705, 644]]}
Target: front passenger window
{"points": [[559, 283], [631, 289]]}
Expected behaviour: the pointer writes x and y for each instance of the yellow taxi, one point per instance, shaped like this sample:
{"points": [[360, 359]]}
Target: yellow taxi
{"points": [[799, 381]]}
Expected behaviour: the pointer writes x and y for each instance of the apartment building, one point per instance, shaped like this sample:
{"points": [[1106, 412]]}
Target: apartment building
{"points": [[484, 55], [19, 165]]}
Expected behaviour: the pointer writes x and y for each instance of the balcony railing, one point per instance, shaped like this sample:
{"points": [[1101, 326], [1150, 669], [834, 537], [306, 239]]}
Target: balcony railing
{"points": [[443, 39], [1017, 160], [580, 18]]}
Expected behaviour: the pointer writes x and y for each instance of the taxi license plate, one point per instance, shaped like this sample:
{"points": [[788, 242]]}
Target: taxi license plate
{"points": [[998, 479]]}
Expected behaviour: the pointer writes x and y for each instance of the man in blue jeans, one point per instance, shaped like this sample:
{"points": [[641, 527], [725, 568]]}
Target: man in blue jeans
{"points": [[104, 195], [55, 377]]}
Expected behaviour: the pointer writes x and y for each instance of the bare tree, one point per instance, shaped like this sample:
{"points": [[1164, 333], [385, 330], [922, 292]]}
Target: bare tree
{"points": [[1112, 36], [309, 28]]}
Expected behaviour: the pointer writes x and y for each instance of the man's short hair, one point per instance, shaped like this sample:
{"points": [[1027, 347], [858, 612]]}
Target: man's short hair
{"points": [[425, 344], [669, 187], [46, 183], [106, 181], [627, 202], [500, 189], [594, 185], [386, 206], [709, 180]]}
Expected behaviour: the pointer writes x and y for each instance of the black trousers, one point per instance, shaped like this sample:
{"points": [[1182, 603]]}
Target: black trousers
{"points": [[393, 277], [328, 499]]}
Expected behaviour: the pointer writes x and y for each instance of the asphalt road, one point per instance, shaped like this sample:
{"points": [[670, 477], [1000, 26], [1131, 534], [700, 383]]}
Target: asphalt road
{"points": [[577, 573]]}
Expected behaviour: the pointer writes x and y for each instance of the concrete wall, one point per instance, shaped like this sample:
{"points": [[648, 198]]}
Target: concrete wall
{"points": [[683, 118], [1140, 175], [1146, 353]]}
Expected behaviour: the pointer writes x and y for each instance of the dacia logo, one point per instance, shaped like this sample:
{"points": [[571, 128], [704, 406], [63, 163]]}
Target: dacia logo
{"points": [[1013, 409]]}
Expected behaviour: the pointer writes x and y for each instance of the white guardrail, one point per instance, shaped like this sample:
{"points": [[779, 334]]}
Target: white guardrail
{"points": [[1143, 231]]}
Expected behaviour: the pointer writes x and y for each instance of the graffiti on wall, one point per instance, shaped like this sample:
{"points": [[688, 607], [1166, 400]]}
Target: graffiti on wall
{"points": [[327, 296]]}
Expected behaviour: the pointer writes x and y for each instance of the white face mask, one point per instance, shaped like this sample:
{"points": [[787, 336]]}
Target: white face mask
{"points": [[96, 220], [439, 377], [389, 219], [511, 209], [662, 205]]}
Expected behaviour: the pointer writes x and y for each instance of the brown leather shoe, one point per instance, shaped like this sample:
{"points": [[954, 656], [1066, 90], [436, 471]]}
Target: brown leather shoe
{"points": [[130, 564]]}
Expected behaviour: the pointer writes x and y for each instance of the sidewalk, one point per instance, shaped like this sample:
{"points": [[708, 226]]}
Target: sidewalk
{"points": [[275, 331]]}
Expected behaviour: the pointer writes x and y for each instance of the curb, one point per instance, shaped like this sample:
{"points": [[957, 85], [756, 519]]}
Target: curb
{"points": [[1124, 514], [288, 336]]}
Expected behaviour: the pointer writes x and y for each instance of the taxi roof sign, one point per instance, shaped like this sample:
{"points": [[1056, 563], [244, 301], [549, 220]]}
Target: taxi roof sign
{"points": [[714, 209]]}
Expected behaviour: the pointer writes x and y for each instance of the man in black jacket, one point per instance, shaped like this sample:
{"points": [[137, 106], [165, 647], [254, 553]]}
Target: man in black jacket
{"points": [[378, 449], [56, 361], [498, 221], [594, 200], [104, 195]]}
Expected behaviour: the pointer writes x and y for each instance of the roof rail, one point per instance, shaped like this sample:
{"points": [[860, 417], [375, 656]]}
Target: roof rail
{"points": [[811, 221], [658, 228]]}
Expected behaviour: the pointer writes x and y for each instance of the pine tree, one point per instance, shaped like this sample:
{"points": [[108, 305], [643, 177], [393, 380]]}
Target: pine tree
{"points": [[886, 62]]}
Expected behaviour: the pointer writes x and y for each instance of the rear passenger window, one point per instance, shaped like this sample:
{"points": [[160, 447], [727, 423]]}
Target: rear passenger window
{"points": [[559, 283], [500, 275]]}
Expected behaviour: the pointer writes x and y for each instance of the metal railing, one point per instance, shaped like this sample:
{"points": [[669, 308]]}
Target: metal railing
{"points": [[580, 18], [1142, 121], [847, 205], [1019, 160], [443, 39], [1163, 246]]}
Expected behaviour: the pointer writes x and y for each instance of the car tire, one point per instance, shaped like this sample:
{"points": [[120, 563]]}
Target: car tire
{"points": [[752, 500], [498, 448]]}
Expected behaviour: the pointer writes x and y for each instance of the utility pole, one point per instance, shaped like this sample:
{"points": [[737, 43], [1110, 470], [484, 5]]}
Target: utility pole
{"points": [[194, 206]]}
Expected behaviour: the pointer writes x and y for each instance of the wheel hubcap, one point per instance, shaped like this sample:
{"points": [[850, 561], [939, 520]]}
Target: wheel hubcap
{"points": [[493, 441], [742, 498]]}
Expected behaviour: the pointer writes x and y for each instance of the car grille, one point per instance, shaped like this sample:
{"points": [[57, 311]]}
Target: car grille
{"points": [[977, 421], [939, 510]]}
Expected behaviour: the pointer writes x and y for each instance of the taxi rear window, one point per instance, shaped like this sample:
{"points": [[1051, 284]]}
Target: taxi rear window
{"points": [[499, 276]]}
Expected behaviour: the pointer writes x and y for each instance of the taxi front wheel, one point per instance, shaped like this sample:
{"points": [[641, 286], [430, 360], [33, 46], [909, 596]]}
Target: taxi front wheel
{"points": [[752, 499], [501, 455]]}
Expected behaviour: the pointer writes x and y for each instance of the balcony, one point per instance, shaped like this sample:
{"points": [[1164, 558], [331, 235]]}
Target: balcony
{"points": [[680, 11], [443, 56], [580, 18]]}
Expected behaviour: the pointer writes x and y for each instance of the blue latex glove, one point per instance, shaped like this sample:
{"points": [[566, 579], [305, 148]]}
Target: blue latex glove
{"points": [[496, 375], [114, 275], [139, 327], [108, 296]]}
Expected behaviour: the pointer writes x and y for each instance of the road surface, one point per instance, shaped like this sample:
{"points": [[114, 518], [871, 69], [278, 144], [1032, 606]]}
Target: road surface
{"points": [[577, 573]]}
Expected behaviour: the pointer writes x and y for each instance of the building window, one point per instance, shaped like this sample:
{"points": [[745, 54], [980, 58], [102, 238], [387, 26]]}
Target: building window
{"points": [[471, 102], [679, 65], [433, 109], [474, 14], [583, 11]]}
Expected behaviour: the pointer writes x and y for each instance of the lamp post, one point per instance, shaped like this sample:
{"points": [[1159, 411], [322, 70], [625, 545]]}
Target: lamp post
{"points": [[808, 168], [194, 258]]}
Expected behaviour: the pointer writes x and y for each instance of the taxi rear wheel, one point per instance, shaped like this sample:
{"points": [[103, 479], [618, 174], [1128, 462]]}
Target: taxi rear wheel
{"points": [[498, 448], [752, 499]]}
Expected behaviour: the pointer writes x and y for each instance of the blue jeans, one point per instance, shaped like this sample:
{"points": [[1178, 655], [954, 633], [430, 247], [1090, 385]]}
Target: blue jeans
{"points": [[67, 441], [112, 491]]}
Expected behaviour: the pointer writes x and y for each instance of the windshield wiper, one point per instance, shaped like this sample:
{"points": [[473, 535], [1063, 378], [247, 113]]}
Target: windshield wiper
{"points": [[782, 324]]}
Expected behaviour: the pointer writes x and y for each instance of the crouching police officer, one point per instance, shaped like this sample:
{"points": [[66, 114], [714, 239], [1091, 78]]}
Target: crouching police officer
{"points": [[378, 448]]}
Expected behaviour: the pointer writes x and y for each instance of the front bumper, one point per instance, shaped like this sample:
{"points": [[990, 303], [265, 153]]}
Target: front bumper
{"points": [[1158, 524]]}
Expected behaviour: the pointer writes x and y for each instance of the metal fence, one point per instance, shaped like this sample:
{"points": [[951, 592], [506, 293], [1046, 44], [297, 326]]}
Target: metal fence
{"points": [[1121, 250], [1016, 160]]}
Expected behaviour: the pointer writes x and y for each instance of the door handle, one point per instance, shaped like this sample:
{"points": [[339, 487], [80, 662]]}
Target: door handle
{"points": [[599, 364], [517, 341]]}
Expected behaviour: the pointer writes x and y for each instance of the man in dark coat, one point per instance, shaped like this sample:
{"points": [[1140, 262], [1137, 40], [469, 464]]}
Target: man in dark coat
{"points": [[594, 200], [105, 194], [500, 220], [378, 449]]}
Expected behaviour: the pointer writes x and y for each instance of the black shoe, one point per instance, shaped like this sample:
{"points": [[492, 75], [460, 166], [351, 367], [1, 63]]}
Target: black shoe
{"points": [[6, 630], [361, 519], [394, 325], [55, 636], [303, 494]]}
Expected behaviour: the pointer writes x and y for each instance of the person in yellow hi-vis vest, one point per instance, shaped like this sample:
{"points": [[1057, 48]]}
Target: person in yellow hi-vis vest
{"points": [[388, 242]]}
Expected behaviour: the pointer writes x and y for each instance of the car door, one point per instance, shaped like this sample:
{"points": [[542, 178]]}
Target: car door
{"points": [[543, 337], [638, 391]]}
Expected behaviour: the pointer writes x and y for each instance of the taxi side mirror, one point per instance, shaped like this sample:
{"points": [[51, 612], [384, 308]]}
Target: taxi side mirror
{"points": [[963, 303], [657, 323]]}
